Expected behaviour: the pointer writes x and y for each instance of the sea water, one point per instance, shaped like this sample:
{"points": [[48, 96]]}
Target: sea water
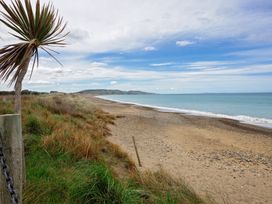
{"points": [[251, 108]]}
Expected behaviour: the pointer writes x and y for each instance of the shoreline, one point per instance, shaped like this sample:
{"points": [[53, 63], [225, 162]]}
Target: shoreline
{"points": [[246, 120], [221, 157]]}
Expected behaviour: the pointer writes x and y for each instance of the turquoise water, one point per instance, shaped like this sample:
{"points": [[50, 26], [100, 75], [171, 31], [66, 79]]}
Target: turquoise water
{"points": [[255, 108]]}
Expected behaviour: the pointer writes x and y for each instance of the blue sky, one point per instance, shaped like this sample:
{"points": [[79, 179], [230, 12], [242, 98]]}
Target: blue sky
{"points": [[173, 46]]}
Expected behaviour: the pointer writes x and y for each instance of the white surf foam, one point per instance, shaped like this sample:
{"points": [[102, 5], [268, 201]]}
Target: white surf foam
{"points": [[262, 122]]}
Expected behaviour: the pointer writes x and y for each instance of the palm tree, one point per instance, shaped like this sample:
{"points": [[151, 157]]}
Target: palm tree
{"points": [[39, 28]]}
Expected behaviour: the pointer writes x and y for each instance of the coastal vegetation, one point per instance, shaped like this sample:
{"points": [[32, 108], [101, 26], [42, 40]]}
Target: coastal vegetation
{"points": [[70, 160]]}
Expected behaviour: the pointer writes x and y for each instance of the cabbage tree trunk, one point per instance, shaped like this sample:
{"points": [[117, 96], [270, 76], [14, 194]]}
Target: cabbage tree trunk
{"points": [[18, 85], [18, 106]]}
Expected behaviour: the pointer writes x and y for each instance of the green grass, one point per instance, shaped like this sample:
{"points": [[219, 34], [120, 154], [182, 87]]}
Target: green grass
{"points": [[69, 160], [60, 178], [96, 184]]}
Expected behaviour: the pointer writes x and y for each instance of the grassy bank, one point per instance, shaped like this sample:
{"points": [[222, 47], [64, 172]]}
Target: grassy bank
{"points": [[69, 159]]}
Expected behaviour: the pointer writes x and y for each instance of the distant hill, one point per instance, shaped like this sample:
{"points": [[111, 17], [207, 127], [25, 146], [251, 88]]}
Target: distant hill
{"points": [[112, 92]]}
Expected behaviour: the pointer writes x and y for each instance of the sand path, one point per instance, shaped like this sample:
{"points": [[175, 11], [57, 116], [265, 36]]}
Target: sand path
{"points": [[231, 162]]}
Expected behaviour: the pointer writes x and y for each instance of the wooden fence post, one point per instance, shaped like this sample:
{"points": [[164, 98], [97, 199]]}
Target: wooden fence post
{"points": [[136, 150], [11, 136]]}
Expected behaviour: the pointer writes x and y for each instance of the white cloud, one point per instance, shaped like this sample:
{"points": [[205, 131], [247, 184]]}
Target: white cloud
{"points": [[98, 64], [183, 43], [204, 65], [95, 84], [39, 82], [113, 82], [149, 48], [161, 64]]}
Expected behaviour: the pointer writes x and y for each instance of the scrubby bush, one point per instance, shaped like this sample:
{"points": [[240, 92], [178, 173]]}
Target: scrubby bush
{"points": [[60, 105], [33, 125], [36, 126]]}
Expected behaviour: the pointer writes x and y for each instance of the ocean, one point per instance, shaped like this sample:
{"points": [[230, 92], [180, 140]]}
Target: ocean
{"points": [[250, 108]]}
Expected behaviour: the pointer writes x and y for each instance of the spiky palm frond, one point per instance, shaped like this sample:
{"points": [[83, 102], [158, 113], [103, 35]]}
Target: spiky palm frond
{"points": [[35, 28]]}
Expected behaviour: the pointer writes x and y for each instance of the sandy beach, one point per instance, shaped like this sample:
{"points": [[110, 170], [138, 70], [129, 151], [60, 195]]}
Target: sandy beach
{"points": [[221, 157]]}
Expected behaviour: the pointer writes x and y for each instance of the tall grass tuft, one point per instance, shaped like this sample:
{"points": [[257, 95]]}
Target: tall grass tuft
{"points": [[101, 187], [33, 125], [73, 141], [165, 189]]}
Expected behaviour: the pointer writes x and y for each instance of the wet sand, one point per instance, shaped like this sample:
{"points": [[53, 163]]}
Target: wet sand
{"points": [[224, 158]]}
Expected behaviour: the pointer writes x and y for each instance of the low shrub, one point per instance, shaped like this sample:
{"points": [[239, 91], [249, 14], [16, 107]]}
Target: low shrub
{"points": [[60, 105], [33, 125]]}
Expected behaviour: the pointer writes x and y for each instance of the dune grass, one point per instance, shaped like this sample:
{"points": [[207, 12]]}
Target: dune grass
{"points": [[69, 159]]}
